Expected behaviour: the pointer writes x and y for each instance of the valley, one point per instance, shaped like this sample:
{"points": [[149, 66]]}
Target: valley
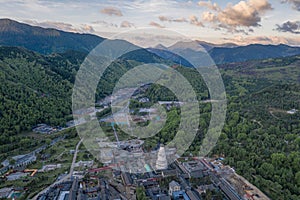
{"points": [[260, 139]]}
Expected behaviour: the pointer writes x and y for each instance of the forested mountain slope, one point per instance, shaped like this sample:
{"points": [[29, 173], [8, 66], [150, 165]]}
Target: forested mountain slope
{"points": [[44, 40]]}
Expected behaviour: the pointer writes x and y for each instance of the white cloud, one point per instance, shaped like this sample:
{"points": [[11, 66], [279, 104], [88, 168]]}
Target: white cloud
{"points": [[234, 17], [294, 41], [156, 25], [111, 11], [127, 24], [192, 20], [105, 23], [209, 16], [170, 19], [83, 28], [195, 21], [210, 5]]}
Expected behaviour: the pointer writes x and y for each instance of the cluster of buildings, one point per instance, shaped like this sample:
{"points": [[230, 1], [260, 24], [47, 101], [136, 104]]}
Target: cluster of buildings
{"points": [[18, 162], [67, 190], [161, 173], [10, 192], [46, 129], [15, 167], [158, 176], [93, 189]]}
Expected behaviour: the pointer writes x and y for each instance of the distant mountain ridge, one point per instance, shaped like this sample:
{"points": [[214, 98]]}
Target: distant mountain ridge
{"points": [[208, 46], [252, 52], [225, 53], [44, 40], [47, 41]]}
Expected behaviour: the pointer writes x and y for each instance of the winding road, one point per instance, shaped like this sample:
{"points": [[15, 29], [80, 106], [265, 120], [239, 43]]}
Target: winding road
{"points": [[64, 178]]}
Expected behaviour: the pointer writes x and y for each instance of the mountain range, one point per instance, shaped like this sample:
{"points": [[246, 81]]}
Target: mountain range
{"points": [[47, 41], [224, 53], [260, 140], [44, 40]]}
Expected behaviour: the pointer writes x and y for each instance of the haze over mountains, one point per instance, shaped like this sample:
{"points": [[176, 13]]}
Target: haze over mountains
{"points": [[47, 41]]}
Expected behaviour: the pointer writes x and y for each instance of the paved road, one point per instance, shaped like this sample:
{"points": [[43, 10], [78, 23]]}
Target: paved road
{"points": [[74, 158], [64, 178]]}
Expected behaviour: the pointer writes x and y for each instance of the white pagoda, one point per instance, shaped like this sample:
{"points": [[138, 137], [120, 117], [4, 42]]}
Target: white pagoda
{"points": [[161, 162]]}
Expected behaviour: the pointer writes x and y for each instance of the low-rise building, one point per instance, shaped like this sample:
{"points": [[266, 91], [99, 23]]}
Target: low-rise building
{"points": [[84, 163], [47, 168], [292, 112], [174, 187], [4, 192]]}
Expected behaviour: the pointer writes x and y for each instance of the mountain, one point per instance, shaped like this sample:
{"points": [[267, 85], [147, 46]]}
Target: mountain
{"points": [[160, 46], [252, 52], [183, 53], [223, 53], [208, 46], [186, 45], [30, 91], [36, 88], [168, 55], [260, 140], [44, 40], [200, 45], [47, 41]]}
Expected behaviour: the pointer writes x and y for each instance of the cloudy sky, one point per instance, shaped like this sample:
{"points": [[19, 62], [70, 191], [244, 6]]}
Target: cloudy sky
{"points": [[218, 21]]}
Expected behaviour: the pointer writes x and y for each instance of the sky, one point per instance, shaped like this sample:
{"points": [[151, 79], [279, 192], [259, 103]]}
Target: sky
{"points": [[216, 21]]}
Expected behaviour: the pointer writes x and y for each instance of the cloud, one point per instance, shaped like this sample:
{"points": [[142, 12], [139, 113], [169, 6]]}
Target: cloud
{"points": [[182, 19], [51, 24], [126, 24], [234, 16], [164, 18], [87, 28], [192, 20], [209, 5], [151, 39], [195, 21], [209, 16], [156, 25], [111, 11], [104, 23], [295, 3], [294, 41], [244, 13], [83, 28], [292, 27], [170, 19]]}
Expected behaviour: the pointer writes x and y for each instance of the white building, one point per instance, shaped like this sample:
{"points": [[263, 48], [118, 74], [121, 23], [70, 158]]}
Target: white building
{"points": [[161, 162], [173, 187], [293, 111]]}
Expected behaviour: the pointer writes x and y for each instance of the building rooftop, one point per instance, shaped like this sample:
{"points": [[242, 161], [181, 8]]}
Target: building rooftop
{"points": [[192, 195], [293, 111], [173, 184]]}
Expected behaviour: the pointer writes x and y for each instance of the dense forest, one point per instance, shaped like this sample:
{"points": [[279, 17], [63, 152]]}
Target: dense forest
{"points": [[259, 139]]}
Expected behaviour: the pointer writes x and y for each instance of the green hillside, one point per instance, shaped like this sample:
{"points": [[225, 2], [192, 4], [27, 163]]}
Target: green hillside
{"points": [[43, 40], [260, 140], [37, 88], [30, 91]]}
